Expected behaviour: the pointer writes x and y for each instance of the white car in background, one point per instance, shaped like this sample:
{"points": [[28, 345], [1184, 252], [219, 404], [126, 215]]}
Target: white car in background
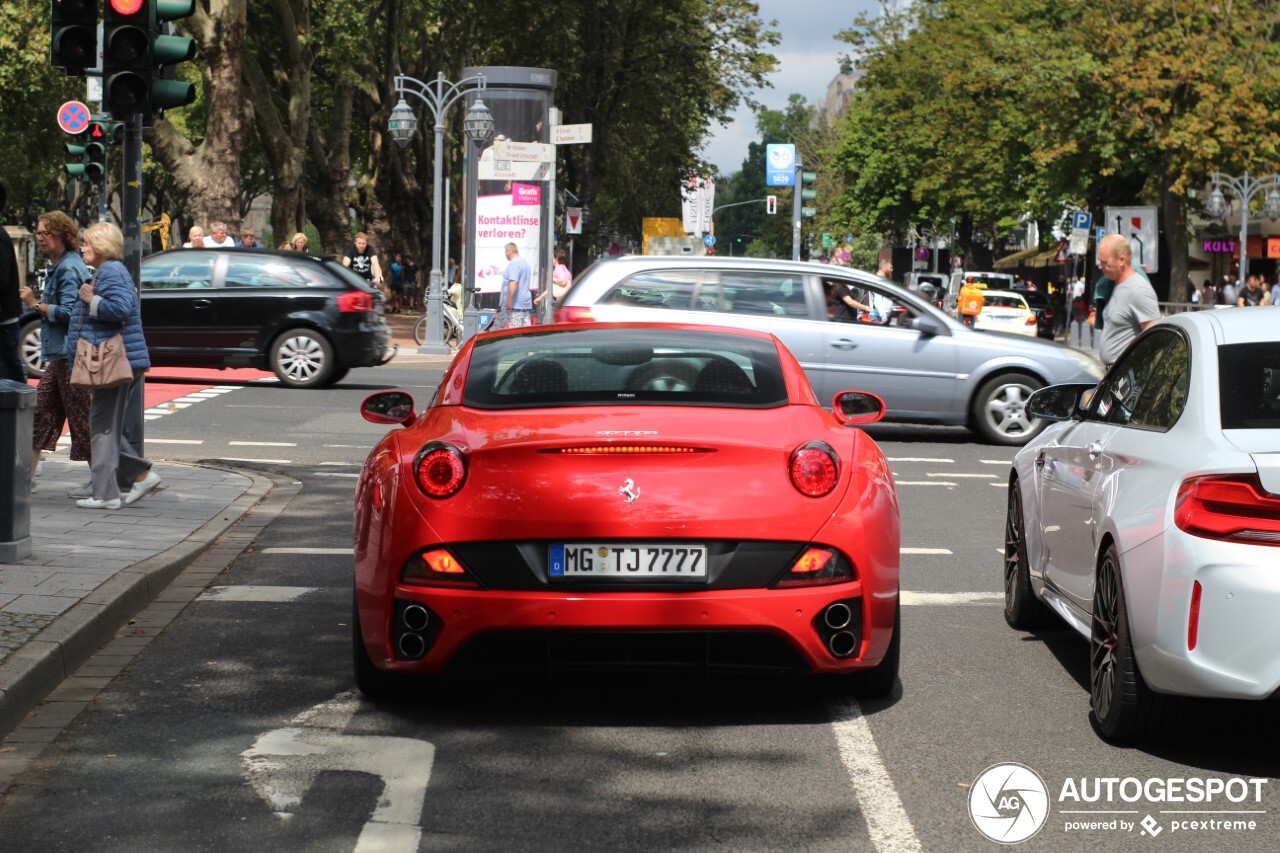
{"points": [[1006, 311], [1147, 517]]}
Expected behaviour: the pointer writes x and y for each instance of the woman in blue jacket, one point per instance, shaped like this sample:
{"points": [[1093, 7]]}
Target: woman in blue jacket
{"points": [[109, 307]]}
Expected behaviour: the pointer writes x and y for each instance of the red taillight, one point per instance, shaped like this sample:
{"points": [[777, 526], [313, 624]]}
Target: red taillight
{"points": [[1031, 321], [439, 470], [1193, 618], [817, 567], [815, 469], [437, 567], [1235, 509], [574, 314], [355, 302]]}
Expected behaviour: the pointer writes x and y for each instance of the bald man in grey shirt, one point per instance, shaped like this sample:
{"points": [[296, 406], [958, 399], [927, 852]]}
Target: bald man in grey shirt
{"points": [[1132, 306]]}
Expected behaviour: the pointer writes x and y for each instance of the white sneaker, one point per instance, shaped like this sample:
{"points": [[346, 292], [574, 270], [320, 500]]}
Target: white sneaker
{"points": [[141, 487], [81, 491], [94, 503]]}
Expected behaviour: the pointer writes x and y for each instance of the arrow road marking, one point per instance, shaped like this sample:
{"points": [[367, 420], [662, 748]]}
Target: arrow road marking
{"points": [[282, 765]]}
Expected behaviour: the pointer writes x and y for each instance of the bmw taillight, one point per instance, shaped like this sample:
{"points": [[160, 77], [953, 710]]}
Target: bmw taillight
{"points": [[1193, 618], [817, 567], [1231, 508], [439, 469], [355, 302], [574, 314], [814, 469], [436, 567]]}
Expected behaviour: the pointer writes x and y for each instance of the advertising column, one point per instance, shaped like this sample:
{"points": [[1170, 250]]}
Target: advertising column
{"points": [[509, 201]]}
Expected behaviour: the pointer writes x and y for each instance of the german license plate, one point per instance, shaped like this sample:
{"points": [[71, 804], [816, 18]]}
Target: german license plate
{"points": [[624, 561]]}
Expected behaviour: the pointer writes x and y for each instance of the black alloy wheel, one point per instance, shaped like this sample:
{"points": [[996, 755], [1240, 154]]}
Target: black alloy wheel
{"points": [[1123, 706], [1022, 610]]}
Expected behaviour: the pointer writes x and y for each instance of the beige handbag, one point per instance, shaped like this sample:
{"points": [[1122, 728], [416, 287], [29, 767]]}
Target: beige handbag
{"points": [[103, 365]]}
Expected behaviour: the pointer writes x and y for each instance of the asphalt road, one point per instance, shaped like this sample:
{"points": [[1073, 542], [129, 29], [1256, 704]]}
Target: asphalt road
{"points": [[236, 728]]}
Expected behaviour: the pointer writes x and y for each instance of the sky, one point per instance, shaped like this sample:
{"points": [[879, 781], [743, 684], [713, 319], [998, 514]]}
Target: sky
{"points": [[808, 58]]}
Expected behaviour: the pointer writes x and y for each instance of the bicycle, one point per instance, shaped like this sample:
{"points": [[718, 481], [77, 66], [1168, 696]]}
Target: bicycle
{"points": [[452, 332]]}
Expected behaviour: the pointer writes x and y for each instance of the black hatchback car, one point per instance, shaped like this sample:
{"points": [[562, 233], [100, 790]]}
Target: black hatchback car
{"points": [[307, 319]]}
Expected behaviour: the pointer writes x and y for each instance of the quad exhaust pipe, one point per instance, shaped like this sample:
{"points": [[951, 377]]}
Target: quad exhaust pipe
{"points": [[842, 644], [837, 616], [415, 617]]}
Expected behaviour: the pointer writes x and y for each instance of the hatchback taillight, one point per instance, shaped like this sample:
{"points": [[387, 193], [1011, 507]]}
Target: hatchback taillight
{"points": [[1231, 508], [574, 314], [439, 469], [355, 302], [814, 469]]}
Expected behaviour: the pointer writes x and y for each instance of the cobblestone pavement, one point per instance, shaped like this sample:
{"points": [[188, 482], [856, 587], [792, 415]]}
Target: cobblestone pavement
{"points": [[17, 628]]}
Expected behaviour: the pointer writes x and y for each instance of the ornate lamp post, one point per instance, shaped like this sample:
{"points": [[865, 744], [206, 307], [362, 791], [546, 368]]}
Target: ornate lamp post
{"points": [[1245, 187], [439, 95]]}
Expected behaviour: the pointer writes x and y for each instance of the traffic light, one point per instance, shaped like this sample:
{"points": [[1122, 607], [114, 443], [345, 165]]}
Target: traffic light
{"points": [[771, 204], [126, 71], [807, 178], [73, 35], [140, 55], [77, 151], [167, 50]]}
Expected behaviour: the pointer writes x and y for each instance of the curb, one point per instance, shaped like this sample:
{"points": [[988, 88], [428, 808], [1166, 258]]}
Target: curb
{"points": [[33, 672]]}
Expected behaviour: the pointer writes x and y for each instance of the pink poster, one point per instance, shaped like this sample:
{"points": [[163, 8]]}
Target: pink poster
{"points": [[526, 194]]}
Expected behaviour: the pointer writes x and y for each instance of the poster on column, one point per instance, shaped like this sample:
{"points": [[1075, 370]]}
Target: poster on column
{"points": [[514, 216]]}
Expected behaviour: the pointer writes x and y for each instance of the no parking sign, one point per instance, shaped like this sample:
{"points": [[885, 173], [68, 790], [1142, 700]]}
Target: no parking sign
{"points": [[73, 117]]}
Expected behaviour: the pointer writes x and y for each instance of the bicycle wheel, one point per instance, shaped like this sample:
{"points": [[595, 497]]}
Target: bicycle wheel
{"points": [[420, 330]]}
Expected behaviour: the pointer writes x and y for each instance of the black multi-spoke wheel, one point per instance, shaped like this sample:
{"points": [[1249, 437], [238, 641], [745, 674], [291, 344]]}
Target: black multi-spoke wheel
{"points": [[1123, 706], [1022, 610]]}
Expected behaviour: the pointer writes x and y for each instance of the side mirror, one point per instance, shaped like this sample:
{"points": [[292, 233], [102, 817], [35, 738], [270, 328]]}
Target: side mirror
{"points": [[926, 325], [388, 407], [1060, 402], [854, 408]]}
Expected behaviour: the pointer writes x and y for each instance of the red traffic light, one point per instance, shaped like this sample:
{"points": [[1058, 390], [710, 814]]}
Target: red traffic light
{"points": [[126, 7], [96, 131]]}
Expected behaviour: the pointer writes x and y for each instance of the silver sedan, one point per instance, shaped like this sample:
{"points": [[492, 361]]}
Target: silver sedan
{"points": [[1147, 518], [926, 366]]}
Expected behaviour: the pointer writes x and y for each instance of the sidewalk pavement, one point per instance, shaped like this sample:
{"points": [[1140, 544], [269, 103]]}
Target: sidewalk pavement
{"points": [[90, 571]]}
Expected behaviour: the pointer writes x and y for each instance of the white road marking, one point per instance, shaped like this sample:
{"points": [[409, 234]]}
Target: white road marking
{"points": [[916, 459], [1008, 462], [924, 551], [887, 820], [922, 483], [263, 443], [353, 475], [999, 485], [282, 765], [319, 551], [175, 441], [948, 598], [342, 464], [972, 476], [271, 594], [246, 459], [357, 446]]}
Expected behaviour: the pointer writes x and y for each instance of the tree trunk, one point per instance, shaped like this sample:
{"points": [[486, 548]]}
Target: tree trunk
{"points": [[1173, 211], [328, 169]]}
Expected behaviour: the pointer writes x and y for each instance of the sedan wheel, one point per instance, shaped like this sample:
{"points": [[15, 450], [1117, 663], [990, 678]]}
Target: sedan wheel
{"points": [[1022, 610], [1123, 706], [302, 358], [29, 349], [1000, 409]]}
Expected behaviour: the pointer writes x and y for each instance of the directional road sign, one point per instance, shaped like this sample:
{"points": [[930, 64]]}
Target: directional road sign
{"points": [[525, 152], [73, 117], [709, 240], [571, 134]]}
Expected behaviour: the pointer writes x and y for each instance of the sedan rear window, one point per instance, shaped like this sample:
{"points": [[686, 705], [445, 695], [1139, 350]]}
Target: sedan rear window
{"points": [[619, 366], [1249, 385]]}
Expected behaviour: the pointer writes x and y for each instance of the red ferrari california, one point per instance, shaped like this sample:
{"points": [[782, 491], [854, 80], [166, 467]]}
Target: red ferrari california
{"points": [[639, 496]]}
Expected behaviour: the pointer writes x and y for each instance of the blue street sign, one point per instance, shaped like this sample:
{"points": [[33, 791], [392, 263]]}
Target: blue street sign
{"points": [[709, 240], [1099, 233], [780, 165], [1082, 219]]}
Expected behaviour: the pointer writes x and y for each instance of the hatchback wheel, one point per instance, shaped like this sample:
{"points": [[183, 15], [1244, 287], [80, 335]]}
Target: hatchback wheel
{"points": [[1123, 706], [29, 348], [1022, 610], [302, 358], [999, 411]]}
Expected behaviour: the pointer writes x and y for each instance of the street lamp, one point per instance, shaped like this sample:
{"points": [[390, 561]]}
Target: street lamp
{"points": [[1245, 187], [439, 95]]}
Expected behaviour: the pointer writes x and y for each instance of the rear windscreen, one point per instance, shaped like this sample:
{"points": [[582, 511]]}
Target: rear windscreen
{"points": [[1249, 385], [623, 366]]}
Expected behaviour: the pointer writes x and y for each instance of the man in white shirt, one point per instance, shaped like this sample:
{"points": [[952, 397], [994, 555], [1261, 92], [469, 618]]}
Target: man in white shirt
{"points": [[218, 237]]}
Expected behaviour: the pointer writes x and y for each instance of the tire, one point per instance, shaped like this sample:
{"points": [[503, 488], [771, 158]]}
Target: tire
{"points": [[1122, 705], [302, 358], [998, 410], [452, 331], [1022, 610], [29, 348], [371, 681], [339, 374], [420, 330]]}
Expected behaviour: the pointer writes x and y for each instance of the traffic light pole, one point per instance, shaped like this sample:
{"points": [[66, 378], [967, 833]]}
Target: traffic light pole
{"points": [[797, 202], [130, 216]]}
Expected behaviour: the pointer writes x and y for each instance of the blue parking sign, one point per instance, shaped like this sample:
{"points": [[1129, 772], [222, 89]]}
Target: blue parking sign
{"points": [[1081, 219]]}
